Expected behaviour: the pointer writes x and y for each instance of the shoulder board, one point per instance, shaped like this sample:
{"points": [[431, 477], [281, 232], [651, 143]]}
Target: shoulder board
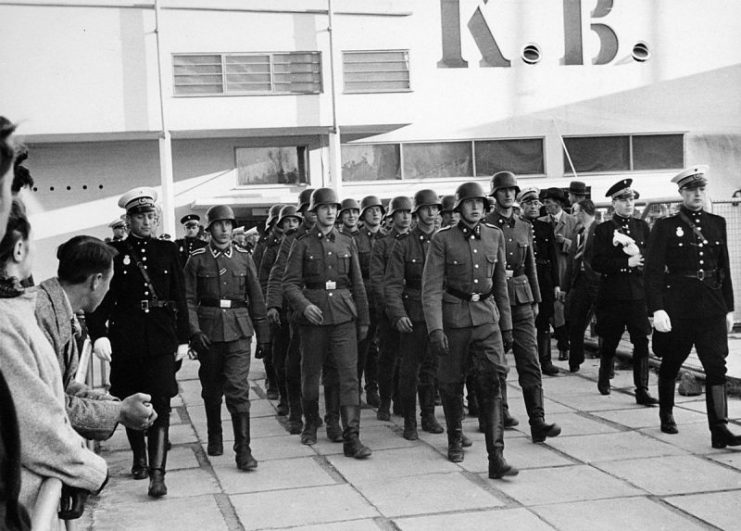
{"points": [[200, 250], [239, 249], [445, 228], [491, 226]]}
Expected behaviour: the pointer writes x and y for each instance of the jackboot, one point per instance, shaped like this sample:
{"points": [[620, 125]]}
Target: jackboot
{"points": [[539, 429], [640, 380], [272, 391], [384, 409], [311, 423], [427, 407], [603, 378], [242, 450], [139, 446], [295, 411], [717, 406], [352, 447], [509, 420], [332, 412], [213, 422], [666, 405], [453, 408], [157, 449], [544, 353], [494, 437], [409, 404], [371, 397], [472, 401]]}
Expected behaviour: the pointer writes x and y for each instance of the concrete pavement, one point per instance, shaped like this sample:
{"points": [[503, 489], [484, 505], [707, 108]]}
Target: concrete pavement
{"points": [[610, 469]]}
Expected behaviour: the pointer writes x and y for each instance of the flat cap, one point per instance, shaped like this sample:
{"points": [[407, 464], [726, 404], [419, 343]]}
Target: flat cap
{"points": [[693, 177], [139, 200]]}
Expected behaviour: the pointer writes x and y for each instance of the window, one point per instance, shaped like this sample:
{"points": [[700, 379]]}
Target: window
{"points": [[438, 159], [520, 156], [625, 153], [371, 162], [376, 71], [271, 165], [267, 73]]}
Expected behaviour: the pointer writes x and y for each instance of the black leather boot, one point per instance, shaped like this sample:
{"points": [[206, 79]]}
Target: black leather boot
{"points": [[603, 378], [213, 422], [453, 408], [494, 437], [640, 380], [427, 407], [242, 450], [311, 421], [539, 429], [157, 449], [139, 446], [409, 405], [509, 420], [295, 412], [666, 405], [384, 409], [717, 406], [332, 412], [544, 353], [352, 447]]}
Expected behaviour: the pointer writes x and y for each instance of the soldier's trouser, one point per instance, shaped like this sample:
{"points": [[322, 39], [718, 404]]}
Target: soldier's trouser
{"points": [[387, 358], [281, 340], [613, 317], [224, 371], [710, 338], [367, 349], [339, 343], [479, 347], [580, 304], [417, 365], [293, 367], [525, 346], [560, 329]]}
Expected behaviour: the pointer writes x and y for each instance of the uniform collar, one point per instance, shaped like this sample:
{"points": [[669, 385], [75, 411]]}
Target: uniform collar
{"points": [[470, 232], [502, 220], [330, 236], [694, 214], [421, 235], [218, 252], [620, 219]]}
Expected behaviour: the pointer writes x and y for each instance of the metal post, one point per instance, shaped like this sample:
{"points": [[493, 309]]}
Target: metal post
{"points": [[335, 155]]}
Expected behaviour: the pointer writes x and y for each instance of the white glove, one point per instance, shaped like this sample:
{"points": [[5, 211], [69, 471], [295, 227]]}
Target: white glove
{"points": [[182, 352], [102, 348], [729, 321], [662, 323], [635, 261]]}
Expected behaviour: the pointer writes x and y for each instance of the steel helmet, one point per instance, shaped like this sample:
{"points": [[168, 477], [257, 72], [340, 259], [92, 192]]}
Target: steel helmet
{"points": [[273, 215], [349, 204], [447, 203], [425, 198], [303, 199], [219, 213], [470, 190], [400, 202], [371, 201], [288, 211], [504, 179], [323, 196]]}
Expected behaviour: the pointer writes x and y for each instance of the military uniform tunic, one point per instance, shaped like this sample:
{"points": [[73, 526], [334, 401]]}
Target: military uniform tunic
{"points": [[186, 246], [546, 263]]}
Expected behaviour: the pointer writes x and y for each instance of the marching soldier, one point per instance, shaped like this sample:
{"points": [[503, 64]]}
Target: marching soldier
{"points": [[118, 226], [400, 212], [689, 290], [266, 234], [546, 263], [617, 254], [465, 301], [225, 308], [141, 327], [324, 285], [524, 296], [403, 290], [190, 242]]}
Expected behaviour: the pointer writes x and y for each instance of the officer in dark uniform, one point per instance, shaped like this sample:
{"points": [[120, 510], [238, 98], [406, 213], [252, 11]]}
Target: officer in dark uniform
{"points": [[118, 226], [618, 250], [467, 311], [190, 242], [324, 285], [403, 291], [689, 289], [400, 211], [546, 263], [524, 296], [142, 327], [278, 306], [371, 214], [226, 308]]}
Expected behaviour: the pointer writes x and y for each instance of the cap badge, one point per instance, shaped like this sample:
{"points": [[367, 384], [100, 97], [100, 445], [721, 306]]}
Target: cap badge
{"points": [[126, 260], [680, 232]]}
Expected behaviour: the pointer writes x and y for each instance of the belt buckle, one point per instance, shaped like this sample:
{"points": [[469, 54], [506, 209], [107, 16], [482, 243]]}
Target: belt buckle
{"points": [[701, 274], [510, 273], [475, 297], [225, 303], [144, 305], [330, 284]]}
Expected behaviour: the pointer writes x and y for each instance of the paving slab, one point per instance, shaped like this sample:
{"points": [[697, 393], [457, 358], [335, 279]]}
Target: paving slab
{"points": [[593, 401], [347, 525], [544, 486], [307, 506], [667, 475], [519, 452], [510, 519], [607, 515], [730, 458], [720, 509], [643, 417], [734, 408], [266, 449], [612, 447], [573, 424], [693, 437], [379, 437], [272, 475]]}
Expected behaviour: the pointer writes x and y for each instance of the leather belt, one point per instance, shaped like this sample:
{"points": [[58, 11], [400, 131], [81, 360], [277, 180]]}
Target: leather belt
{"points": [[223, 303], [472, 297], [512, 273], [146, 305], [328, 285], [700, 274]]}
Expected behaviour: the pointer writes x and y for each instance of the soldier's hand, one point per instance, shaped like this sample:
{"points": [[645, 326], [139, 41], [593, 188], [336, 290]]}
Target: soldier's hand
{"points": [[362, 332], [192, 354], [314, 315], [102, 348], [635, 260], [136, 412], [181, 352], [439, 343], [274, 316], [662, 323], [404, 325], [200, 342], [730, 321], [508, 340]]}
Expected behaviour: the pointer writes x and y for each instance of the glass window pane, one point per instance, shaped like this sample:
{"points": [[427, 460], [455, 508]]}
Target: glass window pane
{"points": [[271, 165], [658, 152], [375, 162], [438, 159], [520, 156], [598, 154]]}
